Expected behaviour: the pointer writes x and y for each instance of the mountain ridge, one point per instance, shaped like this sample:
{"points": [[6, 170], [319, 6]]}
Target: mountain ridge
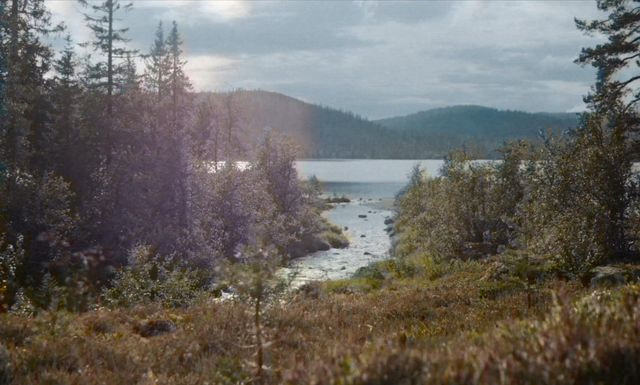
{"points": [[326, 132]]}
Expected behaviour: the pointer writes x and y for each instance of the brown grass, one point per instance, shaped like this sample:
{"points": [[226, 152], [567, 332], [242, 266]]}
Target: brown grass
{"points": [[458, 328]]}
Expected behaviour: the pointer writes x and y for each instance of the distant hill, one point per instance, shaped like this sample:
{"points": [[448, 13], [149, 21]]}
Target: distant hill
{"points": [[482, 126], [324, 132]]}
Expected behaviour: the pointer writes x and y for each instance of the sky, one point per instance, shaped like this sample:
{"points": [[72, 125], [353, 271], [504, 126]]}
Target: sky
{"points": [[375, 58]]}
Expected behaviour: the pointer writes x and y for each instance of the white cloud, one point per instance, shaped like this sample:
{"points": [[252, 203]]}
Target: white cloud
{"points": [[207, 72], [376, 58], [220, 10]]}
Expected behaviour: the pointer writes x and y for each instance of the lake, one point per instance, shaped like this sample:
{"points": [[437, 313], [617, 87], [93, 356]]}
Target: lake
{"points": [[366, 178], [371, 185]]}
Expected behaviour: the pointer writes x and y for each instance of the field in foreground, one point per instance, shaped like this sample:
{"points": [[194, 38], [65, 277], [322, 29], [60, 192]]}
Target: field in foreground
{"points": [[493, 322]]}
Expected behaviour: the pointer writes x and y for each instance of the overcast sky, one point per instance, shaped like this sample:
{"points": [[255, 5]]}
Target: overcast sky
{"points": [[376, 58]]}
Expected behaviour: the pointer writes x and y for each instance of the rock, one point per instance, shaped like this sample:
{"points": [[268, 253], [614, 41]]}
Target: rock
{"points": [[362, 236], [369, 211], [312, 290], [388, 229], [296, 250], [388, 221], [367, 253], [323, 245], [362, 216], [346, 228], [154, 328], [343, 268], [496, 271], [607, 276]]}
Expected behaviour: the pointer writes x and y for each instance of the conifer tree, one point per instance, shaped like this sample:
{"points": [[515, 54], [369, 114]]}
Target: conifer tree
{"points": [[66, 91], [109, 42], [609, 130], [158, 66], [179, 82], [178, 154], [620, 52], [26, 60]]}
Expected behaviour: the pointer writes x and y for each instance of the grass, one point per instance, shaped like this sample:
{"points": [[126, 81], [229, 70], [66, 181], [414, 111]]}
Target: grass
{"points": [[411, 321]]}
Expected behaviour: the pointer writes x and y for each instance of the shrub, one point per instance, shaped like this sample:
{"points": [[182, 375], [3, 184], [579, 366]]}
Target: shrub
{"points": [[150, 277], [11, 258]]}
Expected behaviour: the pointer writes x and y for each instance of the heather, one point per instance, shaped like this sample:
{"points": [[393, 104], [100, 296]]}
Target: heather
{"points": [[143, 227]]}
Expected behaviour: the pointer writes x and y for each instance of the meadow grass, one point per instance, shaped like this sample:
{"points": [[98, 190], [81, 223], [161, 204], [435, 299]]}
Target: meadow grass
{"points": [[417, 321]]}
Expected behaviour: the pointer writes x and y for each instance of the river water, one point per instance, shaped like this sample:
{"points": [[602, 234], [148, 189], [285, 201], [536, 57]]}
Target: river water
{"points": [[371, 185]]}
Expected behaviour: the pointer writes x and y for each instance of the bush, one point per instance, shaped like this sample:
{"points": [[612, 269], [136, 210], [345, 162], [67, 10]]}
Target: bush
{"points": [[11, 259], [442, 216], [149, 278]]}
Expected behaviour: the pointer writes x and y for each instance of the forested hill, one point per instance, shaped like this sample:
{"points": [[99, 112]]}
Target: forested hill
{"points": [[482, 126], [323, 132], [320, 131]]}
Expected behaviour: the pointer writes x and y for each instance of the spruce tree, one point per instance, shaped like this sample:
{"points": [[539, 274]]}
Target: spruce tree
{"points": [[158, 66], [179, 154], [107, 74]]}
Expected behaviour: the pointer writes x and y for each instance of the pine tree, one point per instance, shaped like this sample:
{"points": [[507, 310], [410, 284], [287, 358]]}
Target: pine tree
{"points": [[180, 154], [158, 66], [179, 82], [66, 92], [109, 41], [620, 52], [26, 60]]}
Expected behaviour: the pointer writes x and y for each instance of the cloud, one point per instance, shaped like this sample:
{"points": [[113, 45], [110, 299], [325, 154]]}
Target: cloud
{"points": [[379, 58], [212, 10]]}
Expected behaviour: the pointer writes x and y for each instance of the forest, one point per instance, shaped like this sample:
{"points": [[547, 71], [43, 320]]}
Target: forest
{"points": [[323, 132], [103, 165], [125, 214]]}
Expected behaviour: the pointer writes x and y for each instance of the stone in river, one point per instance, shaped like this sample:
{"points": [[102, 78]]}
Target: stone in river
{"points": [[362, 236], [367, 253], [362, 215]]}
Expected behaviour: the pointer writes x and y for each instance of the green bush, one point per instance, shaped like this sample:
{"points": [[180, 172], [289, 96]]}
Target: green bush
{"points": [[152, 278], [11, 258]]}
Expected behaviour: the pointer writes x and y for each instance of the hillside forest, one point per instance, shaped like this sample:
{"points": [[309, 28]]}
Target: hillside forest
{"points": [[142, 225]]}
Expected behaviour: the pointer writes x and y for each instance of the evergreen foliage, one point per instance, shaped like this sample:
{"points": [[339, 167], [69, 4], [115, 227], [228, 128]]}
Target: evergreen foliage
{"points": [[103, 164]]}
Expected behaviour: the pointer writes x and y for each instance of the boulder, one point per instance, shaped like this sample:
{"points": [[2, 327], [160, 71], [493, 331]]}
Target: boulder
{"points": [[322, 245], [362, 216], [388, 221], [608, 276]]}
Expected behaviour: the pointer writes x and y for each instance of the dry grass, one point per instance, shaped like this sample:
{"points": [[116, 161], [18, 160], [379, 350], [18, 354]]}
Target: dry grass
{"points": [[457, 328]]}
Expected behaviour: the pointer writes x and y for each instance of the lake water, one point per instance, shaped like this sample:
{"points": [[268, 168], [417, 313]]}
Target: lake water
{"points": [[371, 178], [371, 185]]}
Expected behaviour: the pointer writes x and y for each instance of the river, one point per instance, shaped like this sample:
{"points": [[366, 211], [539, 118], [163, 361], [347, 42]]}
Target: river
{"points": [[371, 185]]}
